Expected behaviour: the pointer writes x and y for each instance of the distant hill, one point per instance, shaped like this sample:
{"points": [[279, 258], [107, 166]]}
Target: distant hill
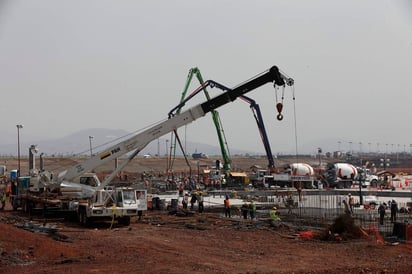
{"points": [[78, 143]]}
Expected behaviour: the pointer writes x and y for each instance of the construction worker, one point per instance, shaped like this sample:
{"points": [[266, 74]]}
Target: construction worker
{"points": [[185, 200], [252, 210], [193, 200], [245, 210], [394, 210], [274, 217], [3, 200], [227, 206], [346, 210], [181, 190], [382, 211], [351, 203], [200, 201]]}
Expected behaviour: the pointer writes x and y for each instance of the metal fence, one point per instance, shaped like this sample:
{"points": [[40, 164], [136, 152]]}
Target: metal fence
{"points": [[317, 208]]}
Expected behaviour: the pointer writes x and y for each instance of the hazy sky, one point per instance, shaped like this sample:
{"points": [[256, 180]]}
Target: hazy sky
{"points": [[66, 66]]}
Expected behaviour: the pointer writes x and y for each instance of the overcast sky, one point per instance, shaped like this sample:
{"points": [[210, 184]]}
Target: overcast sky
{"points": [[66, 66]]}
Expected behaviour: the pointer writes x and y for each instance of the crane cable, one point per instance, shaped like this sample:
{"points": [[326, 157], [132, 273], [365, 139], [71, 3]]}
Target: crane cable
{"points": [[279, 106], [295, 123], [296, 138]]}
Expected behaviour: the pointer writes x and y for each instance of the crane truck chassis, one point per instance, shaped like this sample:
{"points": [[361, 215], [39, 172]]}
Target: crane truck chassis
{"points": [[100, 200], [79, 201]]}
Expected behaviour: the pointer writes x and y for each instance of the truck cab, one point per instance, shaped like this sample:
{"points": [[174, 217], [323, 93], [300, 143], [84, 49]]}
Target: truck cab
{"points": [[113, 203], [256, 178], [366, 178]]}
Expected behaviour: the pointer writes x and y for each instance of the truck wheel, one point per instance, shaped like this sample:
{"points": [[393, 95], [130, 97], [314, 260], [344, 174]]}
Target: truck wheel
{"points": [[27, 207], [83, 217], [15, 205], [24, 206], [374, 183], [124, 220], [308, 185]]}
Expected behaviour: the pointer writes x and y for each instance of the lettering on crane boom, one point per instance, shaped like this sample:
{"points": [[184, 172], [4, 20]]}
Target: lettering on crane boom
{"points": [[79, 168], [155, 131], [108, 153], [300, 178]]}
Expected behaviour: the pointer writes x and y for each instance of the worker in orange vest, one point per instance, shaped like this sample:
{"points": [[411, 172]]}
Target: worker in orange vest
{"points": [[227, 206]]}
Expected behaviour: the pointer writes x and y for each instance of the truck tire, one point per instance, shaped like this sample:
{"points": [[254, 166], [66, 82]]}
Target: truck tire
{"points": [[124, 220], [374, 183], [15, 204], [24, 206], [308, 185], [27, 206], [83, 220]]}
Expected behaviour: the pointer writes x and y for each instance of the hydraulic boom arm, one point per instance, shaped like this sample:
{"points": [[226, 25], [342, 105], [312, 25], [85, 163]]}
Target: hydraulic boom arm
{"points": [[259, 121], [215, 115], [141, 140]]}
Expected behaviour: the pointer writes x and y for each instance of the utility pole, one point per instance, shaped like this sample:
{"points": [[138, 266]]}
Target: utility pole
{"points": [[18, 148], [91, 148]]}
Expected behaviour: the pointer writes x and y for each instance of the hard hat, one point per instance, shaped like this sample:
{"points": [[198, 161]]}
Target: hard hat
{"points": [[275, 208], [349, 194]]}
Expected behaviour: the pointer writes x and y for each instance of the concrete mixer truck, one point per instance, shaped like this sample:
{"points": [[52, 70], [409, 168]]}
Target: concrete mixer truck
{"points": [[299, 175], [340, 175]]}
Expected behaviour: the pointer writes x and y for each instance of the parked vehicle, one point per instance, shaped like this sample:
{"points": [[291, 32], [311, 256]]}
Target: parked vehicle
{"points": [[366, 178], [340, 175]]}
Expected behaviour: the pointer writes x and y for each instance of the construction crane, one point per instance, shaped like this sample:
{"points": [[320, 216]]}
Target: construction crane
{"points": [[216, 120], [101, 199]]}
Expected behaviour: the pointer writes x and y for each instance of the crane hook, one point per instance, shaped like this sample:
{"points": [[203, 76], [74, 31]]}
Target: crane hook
{"points": [[279, 107], [280, 117]]}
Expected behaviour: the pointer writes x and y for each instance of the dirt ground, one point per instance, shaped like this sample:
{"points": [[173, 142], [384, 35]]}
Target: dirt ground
{"points": [[201, 243], [197, 243]]}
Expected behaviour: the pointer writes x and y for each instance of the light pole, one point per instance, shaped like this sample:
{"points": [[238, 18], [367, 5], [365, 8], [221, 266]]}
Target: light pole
{"points": [[320, 161], [158, 147], [167, 158], [18, 148], [91, 148]]}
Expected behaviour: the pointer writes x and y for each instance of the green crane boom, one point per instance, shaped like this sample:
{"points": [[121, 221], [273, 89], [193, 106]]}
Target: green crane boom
{"points": [[215, 115]]}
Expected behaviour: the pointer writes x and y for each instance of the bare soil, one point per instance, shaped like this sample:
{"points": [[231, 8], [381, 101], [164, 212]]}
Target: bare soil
{"points": [[201, 243], [197, 243]]}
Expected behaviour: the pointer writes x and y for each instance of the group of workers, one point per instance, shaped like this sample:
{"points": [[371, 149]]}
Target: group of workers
{"points": [[250, 209], [196, 197], [393, 206]]}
